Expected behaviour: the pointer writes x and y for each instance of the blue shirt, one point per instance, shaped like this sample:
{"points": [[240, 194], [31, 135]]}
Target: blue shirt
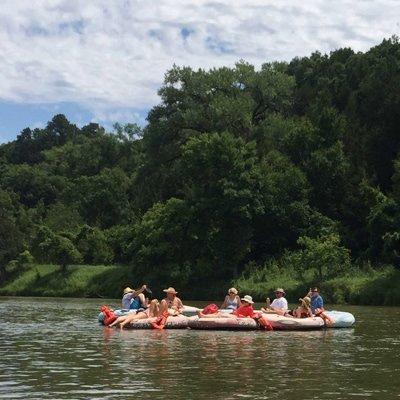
{"points": [[316, 302]]}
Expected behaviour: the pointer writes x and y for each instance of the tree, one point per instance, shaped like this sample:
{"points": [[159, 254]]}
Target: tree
{"points": [[286, 214], [194, 103], [11, 238], [92, 244], [323, 254], [162, 248], [221, 186], [60, 250], [103, 199]]}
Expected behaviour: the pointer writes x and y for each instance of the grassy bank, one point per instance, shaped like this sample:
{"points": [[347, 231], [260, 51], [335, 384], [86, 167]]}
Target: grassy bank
{"points": [[369, 287], [77, 281], [364, 287]]}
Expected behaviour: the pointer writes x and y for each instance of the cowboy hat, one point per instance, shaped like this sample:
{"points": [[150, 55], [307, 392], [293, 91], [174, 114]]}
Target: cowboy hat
{"points": [[305, 302], [248, 299], [170, 290], [279, 290], [233, 290], [128, 290]]}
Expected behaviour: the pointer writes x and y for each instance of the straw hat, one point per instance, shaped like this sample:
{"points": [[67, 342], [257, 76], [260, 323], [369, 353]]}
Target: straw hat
{"points": [[128, 290], [170, 290], [279, 290], [248, 299], [232, 290], [305, 302]]}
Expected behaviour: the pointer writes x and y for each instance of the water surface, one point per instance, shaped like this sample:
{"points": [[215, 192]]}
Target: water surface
{"points": [[54, 349]]}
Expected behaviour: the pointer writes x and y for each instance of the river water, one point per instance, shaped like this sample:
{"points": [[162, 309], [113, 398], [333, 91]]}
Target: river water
{"points": [[54, 349]]}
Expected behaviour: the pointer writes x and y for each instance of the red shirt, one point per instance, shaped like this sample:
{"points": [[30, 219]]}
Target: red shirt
{"points": [[244, 311]]}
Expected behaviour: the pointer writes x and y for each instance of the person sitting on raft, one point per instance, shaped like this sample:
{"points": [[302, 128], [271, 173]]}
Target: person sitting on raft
{"points": [[317, 301], [155, 309], [171, 302], [244, 311], [134, 299], [303, 310], [279, 305], [232, 300]]}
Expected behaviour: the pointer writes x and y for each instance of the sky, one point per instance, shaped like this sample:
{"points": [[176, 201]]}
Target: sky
{"points": [[103, 61]]}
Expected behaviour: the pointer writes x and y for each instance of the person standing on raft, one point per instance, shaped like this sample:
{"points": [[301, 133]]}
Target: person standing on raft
{"points": [[232, 300], [172, 302], [244, 311]]}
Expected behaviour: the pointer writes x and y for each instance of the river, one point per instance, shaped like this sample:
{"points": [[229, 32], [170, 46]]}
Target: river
{"points": [[54, 349]]}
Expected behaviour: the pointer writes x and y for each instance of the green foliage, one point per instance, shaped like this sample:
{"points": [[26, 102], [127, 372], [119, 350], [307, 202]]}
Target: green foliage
{"points": [[11, 237], [103, 198], [292, 166], [370, 286], [77, 281], [161, 249], [60, 250], [322, 255], [92, 244], [25, 259]]}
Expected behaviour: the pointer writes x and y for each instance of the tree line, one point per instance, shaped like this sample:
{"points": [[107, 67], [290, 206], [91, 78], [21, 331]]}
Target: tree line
{"points": [[236, 168]]}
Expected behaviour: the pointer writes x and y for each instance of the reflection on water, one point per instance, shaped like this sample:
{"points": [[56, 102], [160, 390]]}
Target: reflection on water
{"points": [[54, 349]]}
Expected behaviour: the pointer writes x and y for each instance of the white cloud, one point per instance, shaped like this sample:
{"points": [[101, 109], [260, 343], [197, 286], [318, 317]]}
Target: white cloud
{"points": [[110, 57]]}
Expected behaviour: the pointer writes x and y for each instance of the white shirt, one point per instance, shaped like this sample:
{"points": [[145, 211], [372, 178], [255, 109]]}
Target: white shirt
{"points": [[280, 303]]}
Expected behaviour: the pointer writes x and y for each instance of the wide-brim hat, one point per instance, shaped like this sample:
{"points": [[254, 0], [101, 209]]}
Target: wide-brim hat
{"points": [[170, 290], [233, 290], [279, 290], [248, 299], [305, 301], [128, 290]]}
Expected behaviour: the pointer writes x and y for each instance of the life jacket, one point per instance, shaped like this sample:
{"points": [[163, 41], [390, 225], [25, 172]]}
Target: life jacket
{"points": [[210, 309], [160, 322], [320, 312], [135, 304], [109, 316], [262, 321]]}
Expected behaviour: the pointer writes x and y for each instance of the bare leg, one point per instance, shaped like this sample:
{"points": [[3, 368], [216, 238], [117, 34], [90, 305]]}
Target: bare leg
{"points": [[163, 306], [154, 308], [142, 299], [216, 315], [133, 317], [118, 321]]}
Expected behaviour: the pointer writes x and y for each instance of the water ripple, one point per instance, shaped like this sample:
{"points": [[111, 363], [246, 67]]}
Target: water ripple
{"points": [[58, 351]]}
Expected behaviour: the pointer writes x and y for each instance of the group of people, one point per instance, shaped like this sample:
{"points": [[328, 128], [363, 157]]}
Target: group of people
{"points": [[308, 306], [242, 307], [146, 308]]}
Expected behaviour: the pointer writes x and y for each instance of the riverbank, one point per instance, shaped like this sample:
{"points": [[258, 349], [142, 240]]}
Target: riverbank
{"points": [[77, 281], [358, 287]]}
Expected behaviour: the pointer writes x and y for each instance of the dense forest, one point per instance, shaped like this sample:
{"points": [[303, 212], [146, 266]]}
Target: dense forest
{"points": [[286, 173]]}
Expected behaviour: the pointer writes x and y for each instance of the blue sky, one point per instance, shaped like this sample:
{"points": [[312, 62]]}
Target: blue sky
{"points": [[102, 61]]}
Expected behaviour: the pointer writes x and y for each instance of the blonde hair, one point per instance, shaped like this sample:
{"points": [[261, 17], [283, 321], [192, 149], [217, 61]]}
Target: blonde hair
{"points": [[233, 290]]}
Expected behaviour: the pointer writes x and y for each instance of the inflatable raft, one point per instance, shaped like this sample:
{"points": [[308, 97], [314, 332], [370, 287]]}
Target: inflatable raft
{"points": [[237, 324], [339, 319], [179, 322]]}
